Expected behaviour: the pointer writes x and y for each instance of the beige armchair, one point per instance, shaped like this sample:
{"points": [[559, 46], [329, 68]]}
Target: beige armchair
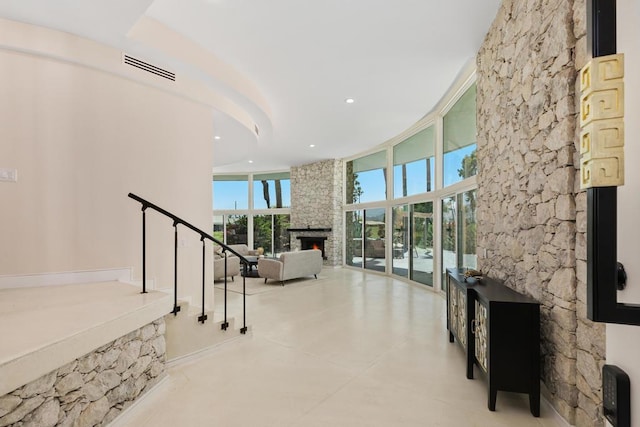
{"points": [[244, 250], [233, 266]]}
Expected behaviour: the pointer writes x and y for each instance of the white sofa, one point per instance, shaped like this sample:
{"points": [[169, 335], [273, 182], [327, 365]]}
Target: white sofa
{"points": [[291, 265]]}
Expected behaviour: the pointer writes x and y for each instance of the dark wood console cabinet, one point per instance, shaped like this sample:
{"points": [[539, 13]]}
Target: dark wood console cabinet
{"points": [[499, 331]]}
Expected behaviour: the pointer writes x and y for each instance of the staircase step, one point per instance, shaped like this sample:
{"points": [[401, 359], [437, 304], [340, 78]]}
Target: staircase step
{"points": [[186, 335]]}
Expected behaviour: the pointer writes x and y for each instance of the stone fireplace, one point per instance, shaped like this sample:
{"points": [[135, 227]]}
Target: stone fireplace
{"points": [[316, 208], [313, 242]]}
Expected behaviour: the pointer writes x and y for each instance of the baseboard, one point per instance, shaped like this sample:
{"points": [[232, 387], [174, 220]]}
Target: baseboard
{"points": [[66, 278], [198, 354]]}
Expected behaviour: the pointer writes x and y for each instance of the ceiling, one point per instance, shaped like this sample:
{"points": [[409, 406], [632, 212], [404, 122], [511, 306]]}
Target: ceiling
{"points": [[289, 65]]}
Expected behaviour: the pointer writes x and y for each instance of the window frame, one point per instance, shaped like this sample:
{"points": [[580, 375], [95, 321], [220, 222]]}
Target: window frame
{"points": [[250, 212], [439, 192]]}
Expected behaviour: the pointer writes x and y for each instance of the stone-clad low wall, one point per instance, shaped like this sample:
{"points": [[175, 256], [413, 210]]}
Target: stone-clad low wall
{"points": [[93, 389]]}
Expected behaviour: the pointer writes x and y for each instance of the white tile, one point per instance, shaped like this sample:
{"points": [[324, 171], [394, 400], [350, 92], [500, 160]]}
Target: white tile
{"points": [[355, 349]]}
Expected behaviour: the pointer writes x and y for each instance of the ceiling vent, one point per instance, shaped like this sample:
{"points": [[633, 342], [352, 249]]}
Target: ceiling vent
{"points": [[145, 66]]}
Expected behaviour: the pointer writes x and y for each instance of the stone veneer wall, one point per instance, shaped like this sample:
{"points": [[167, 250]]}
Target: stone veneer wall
{"points": [[531, 212], [316, 202], [93, 389]]}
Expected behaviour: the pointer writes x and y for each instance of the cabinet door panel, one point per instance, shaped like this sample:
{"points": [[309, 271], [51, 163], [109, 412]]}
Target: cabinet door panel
{"points": [[462, 318], [481, 335], [453, 309]]}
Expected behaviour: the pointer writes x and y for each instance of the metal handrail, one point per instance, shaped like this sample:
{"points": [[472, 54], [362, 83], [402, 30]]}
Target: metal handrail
{"points": [[203, 235]]}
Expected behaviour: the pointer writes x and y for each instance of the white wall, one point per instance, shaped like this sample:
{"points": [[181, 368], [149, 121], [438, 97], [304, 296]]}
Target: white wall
{"points": [[623, 342], [81, 140]]}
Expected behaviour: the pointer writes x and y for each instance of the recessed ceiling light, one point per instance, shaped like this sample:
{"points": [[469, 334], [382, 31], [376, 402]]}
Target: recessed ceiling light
{"points": [[216, 137], [349, 100], [312, 145], [250, 161]]}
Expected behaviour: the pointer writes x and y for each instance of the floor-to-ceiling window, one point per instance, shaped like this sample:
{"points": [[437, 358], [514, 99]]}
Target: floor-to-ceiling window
{"points": [[419, 220], [365, 229], [253, 209], [459, 163]]}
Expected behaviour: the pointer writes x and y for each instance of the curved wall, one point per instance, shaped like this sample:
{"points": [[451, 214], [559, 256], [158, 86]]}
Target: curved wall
{"points": [[81, 139]]}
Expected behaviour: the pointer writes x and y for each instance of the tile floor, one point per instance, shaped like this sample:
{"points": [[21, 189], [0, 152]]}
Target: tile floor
{"points": [[350, 349]]}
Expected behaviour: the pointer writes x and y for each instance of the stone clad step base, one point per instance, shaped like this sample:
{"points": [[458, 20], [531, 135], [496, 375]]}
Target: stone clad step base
{"points": [[78, 354], [82, 353], [44, 328]]}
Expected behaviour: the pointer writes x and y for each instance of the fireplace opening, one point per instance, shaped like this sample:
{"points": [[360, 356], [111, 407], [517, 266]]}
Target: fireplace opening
{"points": [[313, 242]]}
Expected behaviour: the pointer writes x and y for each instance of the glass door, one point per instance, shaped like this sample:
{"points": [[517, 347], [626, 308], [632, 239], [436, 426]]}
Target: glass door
{"points": [[400, 241], [422, 243], [374, 242]]}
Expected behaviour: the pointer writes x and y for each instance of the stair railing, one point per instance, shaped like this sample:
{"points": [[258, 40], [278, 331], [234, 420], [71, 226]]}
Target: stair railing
{"points": [[203, 236]]}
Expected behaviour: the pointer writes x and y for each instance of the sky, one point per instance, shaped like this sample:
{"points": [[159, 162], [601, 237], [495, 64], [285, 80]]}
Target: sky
{"points": [[372, 182], [235, 194]]}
